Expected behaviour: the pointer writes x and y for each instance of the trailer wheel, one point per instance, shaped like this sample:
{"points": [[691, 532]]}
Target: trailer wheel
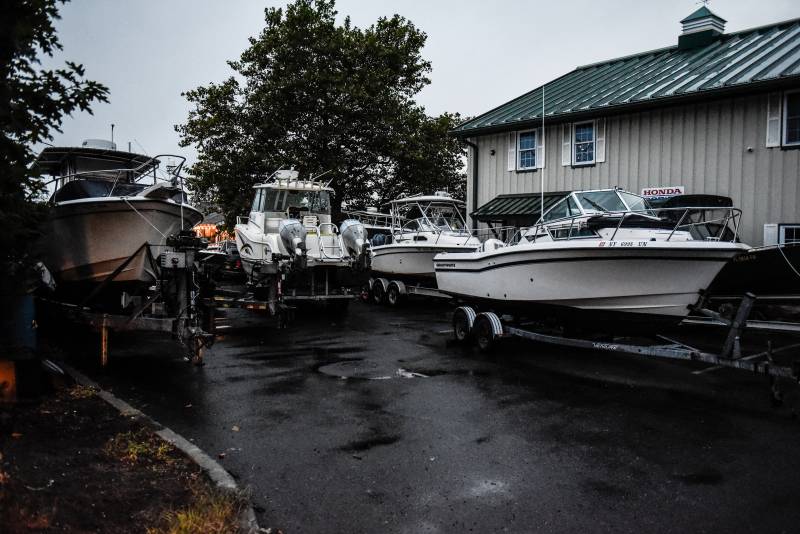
{"points": [[487, 331], [463, 321], [393, 295], [378, 293]]}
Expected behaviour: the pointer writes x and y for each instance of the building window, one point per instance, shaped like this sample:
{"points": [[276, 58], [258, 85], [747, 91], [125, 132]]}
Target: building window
{"points": [[789, 234], [791, 119], [526, 150], [583, 143]]}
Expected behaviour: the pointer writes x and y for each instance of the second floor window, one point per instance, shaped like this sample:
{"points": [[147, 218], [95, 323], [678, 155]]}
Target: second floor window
{"points": [[526, 151], [583, 143]]}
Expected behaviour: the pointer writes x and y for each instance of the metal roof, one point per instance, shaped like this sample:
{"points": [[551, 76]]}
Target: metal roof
{"points": [[769, 54], [517, 205]]}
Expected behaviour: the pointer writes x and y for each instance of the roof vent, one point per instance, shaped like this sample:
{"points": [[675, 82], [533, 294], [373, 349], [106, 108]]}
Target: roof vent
{"points": [[443, 194], [99, 143], [700, 28]]}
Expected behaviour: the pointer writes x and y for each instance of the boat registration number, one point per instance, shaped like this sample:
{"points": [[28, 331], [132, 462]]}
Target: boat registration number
{"points": [[626, 244]]}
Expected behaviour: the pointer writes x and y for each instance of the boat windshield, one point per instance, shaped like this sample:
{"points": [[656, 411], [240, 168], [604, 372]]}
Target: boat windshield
{"points": [[446, 217], [280, 200], [563, 209], [601, 201], [635, 203]]}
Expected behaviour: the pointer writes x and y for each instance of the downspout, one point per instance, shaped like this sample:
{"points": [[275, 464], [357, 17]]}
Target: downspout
{"points": [[474, 178]]}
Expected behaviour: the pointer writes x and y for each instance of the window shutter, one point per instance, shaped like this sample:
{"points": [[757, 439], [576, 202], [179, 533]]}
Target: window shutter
{"points": [[599, 140], [566, 145], [774, 119], [540, 148], [512, 151]]}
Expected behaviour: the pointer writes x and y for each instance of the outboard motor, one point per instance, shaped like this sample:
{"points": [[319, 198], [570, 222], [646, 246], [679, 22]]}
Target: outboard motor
{"points": [[293, 235], [354, 237]]}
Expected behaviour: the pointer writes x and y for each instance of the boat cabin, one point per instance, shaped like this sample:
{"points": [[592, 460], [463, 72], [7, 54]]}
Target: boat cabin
{"points": [[285, 196], [414, 216], [97, 169]]}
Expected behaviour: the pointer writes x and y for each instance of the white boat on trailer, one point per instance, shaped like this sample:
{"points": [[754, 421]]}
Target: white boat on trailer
{"points": [[422, 226], [107, 206], [289, 246], [594, 257]]}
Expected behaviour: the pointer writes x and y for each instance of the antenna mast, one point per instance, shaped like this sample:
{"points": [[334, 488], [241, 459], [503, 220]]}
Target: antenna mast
{"points": [[541, 176]]}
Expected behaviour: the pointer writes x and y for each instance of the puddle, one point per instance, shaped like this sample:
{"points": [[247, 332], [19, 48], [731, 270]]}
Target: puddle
{"points": [[367, 370]]}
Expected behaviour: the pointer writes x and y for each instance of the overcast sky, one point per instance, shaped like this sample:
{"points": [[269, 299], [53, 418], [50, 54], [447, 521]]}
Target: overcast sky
{"points": [[483, 53]]}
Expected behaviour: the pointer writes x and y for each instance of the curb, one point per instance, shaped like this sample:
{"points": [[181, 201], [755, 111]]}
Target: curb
{"points": [[213, 469]]}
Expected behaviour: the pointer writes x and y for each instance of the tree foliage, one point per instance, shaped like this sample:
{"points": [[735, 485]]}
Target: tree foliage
{"points": [[33, 101], [322, 97]]}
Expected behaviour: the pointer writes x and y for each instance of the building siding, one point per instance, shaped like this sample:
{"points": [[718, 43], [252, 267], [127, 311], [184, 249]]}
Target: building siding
{"points": [[702, 146]]}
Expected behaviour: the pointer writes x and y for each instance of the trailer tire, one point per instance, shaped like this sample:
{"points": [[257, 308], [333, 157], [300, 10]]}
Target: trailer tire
{"points": [[487, 331], [394, 296], [378, 293], [463, 322]]}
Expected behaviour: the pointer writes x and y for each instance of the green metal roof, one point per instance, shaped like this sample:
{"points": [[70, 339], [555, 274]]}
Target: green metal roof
{"points": [[702, 13], [517, 205], [768, 54]]}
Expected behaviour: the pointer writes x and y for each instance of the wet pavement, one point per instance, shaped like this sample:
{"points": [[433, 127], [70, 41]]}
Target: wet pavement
{"points": [[377, 422]]}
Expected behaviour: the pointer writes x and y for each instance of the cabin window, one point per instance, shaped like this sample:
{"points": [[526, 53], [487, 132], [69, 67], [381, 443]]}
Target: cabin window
{"points": [[257, 200], [791, 119], [583, 143], [789, 234], [526, 150]]}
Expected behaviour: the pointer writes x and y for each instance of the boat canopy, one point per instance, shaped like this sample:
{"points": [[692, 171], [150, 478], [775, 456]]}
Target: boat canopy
{"points": [[428, 213], [68, 161]]}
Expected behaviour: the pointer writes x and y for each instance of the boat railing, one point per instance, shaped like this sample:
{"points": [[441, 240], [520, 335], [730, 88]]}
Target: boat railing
{"points": [[133, 174], [716, 226], [383, 220], [424, 228]]}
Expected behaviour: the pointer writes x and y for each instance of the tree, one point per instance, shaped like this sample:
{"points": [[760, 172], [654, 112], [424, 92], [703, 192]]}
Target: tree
{"points": [[322, 97], [33, 101]]}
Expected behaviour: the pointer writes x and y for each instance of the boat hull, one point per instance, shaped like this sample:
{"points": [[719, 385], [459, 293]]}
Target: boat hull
{"points": [[646, 279], [409, 262], [768, 272], [85, 241]]}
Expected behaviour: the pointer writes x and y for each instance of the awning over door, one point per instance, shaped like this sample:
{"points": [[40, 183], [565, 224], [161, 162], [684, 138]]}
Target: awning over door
{"points": [[521, 209]]}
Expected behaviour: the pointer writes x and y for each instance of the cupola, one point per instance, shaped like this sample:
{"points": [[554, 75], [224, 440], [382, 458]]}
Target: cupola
{"points": [[700, 28]]}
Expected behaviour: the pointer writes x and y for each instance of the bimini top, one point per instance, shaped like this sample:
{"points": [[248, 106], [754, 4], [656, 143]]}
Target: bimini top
{"points": [[290, 180], [438, 196], [65, 161]]}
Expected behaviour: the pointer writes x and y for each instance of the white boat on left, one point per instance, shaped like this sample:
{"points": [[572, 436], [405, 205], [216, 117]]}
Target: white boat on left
{"points": [[107, 206]]}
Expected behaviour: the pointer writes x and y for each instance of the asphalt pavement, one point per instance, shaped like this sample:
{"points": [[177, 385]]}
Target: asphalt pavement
{"points": [[376, 421]]}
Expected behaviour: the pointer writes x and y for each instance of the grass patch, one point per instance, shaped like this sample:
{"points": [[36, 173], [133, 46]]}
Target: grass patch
{"points": [[139, 446], [211, 511]]}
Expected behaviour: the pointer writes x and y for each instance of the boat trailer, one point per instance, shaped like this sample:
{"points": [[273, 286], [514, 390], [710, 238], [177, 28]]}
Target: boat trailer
{"points": [[487, 328], [172, 305]]}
